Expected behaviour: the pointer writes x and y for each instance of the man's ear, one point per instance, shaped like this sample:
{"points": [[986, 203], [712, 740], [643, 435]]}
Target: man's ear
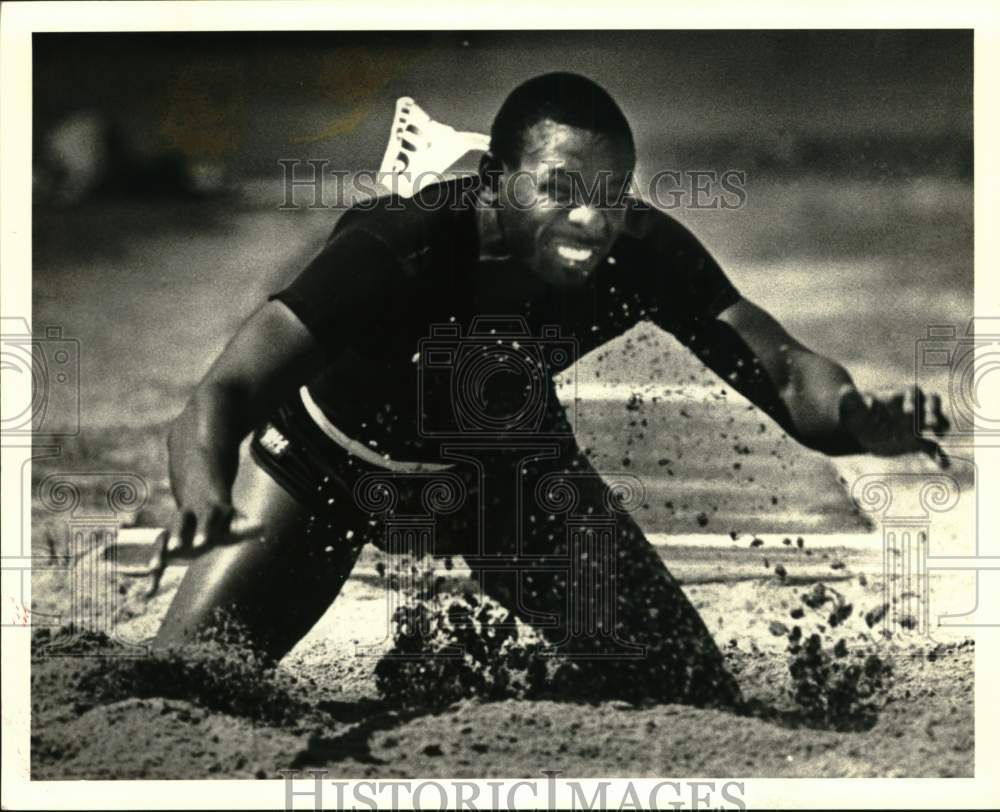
{"points": [[490, 172]]}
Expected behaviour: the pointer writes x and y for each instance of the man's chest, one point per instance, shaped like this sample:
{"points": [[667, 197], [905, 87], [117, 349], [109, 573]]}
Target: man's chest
{"points": [[496, 303]]}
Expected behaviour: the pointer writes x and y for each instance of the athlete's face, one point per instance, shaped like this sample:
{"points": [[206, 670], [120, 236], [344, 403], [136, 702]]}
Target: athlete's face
{"points": [[561, 209]]}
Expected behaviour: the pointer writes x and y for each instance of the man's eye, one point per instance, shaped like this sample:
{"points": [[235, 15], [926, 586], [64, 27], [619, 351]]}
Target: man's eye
{"points": [[561, 193]]}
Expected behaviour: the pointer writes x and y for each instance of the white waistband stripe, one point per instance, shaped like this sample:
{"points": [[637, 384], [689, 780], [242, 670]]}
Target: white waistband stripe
{"points": [[359, 450]]}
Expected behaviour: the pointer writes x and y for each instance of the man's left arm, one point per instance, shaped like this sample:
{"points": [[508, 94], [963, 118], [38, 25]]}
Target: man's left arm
{"points": [[811, 396]]}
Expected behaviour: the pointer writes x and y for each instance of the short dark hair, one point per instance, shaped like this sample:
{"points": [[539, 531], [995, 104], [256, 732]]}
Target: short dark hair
{"points": [[567, 98]]}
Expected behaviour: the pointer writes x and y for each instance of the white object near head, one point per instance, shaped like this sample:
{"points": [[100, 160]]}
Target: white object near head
{"points": [[421, 149]]}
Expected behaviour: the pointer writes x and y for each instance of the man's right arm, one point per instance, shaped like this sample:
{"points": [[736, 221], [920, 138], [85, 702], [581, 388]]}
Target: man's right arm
{"points": [[351, 289], [270, 356]]}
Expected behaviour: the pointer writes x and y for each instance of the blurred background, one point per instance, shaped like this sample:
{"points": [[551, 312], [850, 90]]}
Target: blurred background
{"points": [[158, 227], [876, 104]]}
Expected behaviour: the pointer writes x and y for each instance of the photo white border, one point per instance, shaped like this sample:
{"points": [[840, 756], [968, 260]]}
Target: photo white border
{"points": [[19, 20]]}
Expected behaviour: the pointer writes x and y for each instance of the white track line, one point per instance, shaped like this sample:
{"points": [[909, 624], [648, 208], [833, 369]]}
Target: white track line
{"points": [[860, 542]]}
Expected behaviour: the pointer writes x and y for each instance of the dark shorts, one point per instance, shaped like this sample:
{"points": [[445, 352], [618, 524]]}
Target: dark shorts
{"points": [[302, 459], [543, 533], [331, 482]]}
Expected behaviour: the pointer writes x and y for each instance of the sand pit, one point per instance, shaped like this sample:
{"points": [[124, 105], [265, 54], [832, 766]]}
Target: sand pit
{"points": [[216, 712]]}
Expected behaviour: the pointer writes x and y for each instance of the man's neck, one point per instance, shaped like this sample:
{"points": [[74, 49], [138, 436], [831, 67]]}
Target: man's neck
{"points": [[501, 285]]}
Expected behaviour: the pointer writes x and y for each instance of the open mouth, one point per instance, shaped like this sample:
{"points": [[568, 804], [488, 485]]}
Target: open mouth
{"points": [[573, 254]]}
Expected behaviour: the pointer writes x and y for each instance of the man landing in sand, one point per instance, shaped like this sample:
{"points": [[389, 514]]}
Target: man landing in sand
{"points": [[336, 379]]}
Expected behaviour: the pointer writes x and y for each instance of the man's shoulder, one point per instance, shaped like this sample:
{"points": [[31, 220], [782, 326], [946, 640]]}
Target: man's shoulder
{"points": [[644, 223], [438, 216], [662, 256]]}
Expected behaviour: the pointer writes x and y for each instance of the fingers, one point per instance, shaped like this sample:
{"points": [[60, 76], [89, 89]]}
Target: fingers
{"points": [[213, 527], [914, 406], [925, 411], [936, 420], [174, 538], [191, 533], [239, 522], [157, 564], [927, 415], [936, 453], [910, 398], [897, 424], [182, 533]]}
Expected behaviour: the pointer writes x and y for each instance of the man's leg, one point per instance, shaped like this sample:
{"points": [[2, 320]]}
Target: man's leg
{"points": [[589, 580], [277, 586]]}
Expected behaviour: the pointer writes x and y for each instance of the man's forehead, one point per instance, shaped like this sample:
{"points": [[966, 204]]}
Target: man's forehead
{"points": [[549, 145]]}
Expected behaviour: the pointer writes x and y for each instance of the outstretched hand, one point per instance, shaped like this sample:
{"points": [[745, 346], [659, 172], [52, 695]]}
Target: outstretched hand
{"points": [[896, 424]]}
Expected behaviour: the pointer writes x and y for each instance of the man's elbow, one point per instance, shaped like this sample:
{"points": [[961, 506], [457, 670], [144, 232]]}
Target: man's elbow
{"points": [[215, 401]]}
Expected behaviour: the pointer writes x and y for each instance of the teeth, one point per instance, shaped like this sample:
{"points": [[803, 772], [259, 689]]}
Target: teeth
{"points": [[574, 254]]}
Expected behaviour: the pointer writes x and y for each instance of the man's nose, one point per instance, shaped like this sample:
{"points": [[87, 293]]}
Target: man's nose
{"points": [[586, 216], [593, 221]]}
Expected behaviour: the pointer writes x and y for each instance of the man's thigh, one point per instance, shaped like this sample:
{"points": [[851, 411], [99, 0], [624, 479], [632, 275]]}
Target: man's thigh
{"points": [[571, 560]]}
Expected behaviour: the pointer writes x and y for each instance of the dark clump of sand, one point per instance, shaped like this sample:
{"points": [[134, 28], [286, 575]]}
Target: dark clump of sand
{"points": [[463, 646], [828, 685], [453, 647]]}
